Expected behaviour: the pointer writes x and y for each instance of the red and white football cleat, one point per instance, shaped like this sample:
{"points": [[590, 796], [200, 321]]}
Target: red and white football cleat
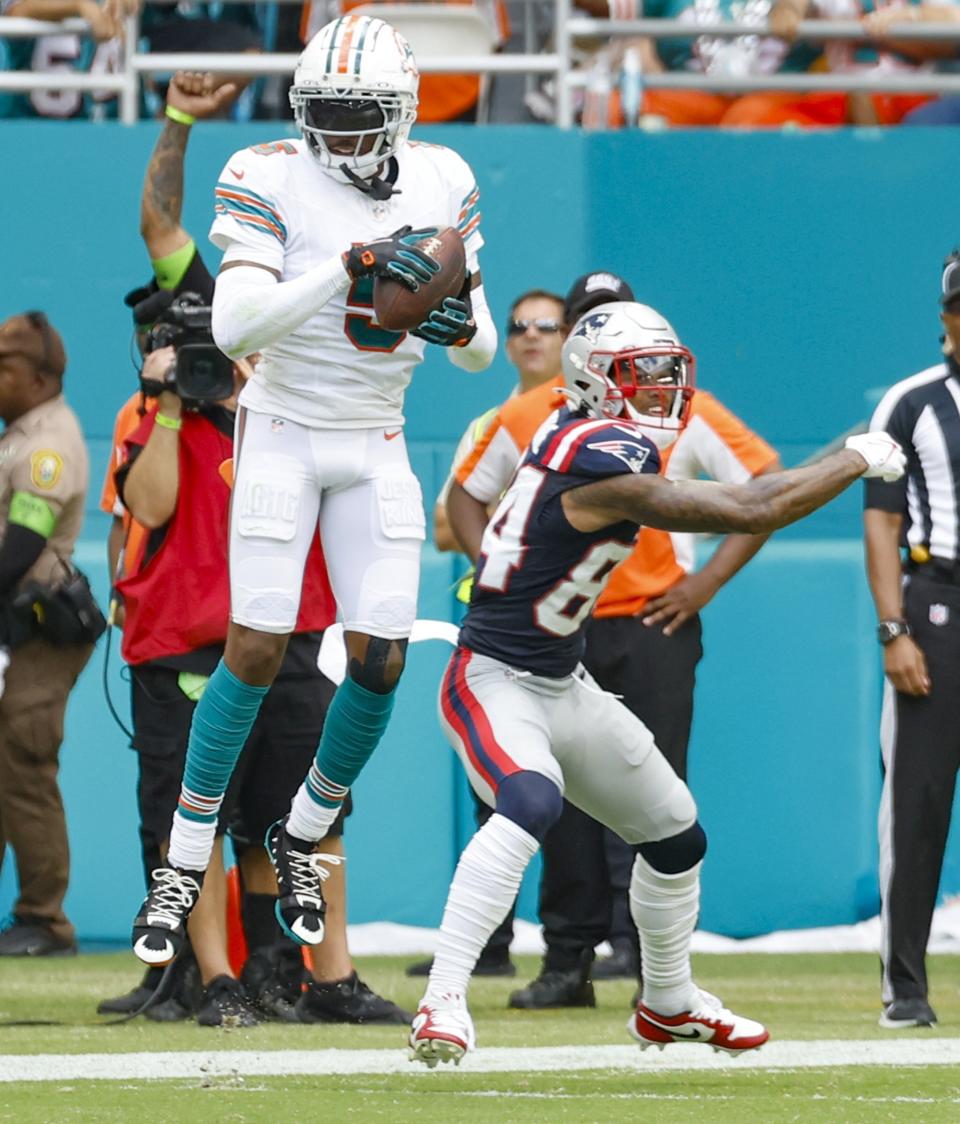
{"points": [[710, 1022], [442, 1030]]}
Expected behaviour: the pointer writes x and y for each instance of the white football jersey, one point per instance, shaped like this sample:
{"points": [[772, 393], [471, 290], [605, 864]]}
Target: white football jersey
{"points": [[276, 207]]}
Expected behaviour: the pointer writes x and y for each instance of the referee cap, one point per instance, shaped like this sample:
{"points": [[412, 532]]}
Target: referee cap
{"points": [[950, 280]]}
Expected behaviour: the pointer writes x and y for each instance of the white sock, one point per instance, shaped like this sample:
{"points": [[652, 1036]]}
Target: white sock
{"points": [[191, 843], [308, 819], [484, 886], [664, 908]]}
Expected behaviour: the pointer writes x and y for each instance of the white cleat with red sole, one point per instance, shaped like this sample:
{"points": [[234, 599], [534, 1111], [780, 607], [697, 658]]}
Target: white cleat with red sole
{"points": [[709, 1022], [442, 1030]]}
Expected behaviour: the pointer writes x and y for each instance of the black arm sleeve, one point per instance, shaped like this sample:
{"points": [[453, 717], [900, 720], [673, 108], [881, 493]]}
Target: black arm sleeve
{"points": [[20, 548], [197, 279]]}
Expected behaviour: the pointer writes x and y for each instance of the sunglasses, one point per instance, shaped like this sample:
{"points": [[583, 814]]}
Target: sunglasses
{"points": [[548, 327]]}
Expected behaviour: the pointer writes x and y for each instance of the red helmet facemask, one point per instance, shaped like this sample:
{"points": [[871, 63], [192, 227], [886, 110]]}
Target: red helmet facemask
{"points": [[657, 382]]}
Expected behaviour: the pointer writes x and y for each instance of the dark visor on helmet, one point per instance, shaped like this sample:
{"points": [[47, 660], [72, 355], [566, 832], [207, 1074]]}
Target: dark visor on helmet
{"points": [[343, 116]]}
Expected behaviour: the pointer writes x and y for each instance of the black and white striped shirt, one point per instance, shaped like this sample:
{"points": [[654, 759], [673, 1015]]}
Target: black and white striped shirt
{"points": [[923, 414]]}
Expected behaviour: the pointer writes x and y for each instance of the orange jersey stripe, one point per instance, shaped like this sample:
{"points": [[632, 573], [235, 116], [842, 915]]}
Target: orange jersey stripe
{"points": [[250, 200], [243, 216]]}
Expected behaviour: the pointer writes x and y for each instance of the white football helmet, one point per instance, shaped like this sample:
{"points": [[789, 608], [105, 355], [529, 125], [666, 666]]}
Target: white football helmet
{"points": [[354, 95], [623, 357]]}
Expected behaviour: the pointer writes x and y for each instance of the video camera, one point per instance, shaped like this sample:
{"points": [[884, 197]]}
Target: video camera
{"points": [[203, 374]]}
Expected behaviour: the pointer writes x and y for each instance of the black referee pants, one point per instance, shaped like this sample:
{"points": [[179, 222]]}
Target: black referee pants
{"points": [[584, 892], [920, 743]]}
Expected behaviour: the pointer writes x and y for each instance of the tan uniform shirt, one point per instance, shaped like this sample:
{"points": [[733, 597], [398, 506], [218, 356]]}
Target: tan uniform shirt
{"points": [[43, 453]]}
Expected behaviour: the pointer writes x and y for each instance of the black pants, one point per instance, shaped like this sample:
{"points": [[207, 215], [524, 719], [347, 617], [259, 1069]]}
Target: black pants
{"points": [[920, 740], [584, 895]]}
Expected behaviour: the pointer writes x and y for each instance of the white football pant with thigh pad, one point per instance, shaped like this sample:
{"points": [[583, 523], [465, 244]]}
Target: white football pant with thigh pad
{"points": [[599, 754], [358, 483]]}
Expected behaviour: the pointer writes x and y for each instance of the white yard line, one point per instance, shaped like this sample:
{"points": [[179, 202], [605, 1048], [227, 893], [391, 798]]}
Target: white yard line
{"points": [[251, 1063]]}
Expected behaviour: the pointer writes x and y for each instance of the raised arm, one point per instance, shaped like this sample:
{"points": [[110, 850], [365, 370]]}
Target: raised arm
{"points": [[190, 97], [761, 505]]}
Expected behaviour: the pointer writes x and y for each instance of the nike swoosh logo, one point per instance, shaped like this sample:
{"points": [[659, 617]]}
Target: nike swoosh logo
{"points": [[239, 175], [390, 436], [695, 1033]]}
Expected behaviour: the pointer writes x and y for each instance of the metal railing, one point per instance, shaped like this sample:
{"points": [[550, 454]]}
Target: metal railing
{"points": [[557, 63]]}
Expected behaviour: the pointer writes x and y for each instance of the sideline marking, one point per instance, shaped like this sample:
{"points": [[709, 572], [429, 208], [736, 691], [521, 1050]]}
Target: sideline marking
{"points": [[252, 1063]]}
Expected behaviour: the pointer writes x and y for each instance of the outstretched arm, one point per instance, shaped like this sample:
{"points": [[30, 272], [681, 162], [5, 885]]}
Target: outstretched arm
{"points": [[761, 505]]}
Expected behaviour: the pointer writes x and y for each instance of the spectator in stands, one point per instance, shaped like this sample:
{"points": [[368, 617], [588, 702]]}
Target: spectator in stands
{"points": [[98, 53], [443, 97], [882, 53], [44, 643], [643, 644]]}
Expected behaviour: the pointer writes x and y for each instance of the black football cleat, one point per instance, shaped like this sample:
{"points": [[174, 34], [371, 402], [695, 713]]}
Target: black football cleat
{"points": [[160, 928]]}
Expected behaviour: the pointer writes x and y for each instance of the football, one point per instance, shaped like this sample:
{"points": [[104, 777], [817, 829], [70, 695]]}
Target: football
{"points": [[399, 310]]}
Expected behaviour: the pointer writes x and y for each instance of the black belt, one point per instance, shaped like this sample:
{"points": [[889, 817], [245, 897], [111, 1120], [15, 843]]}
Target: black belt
{"points": [[939, 569]]}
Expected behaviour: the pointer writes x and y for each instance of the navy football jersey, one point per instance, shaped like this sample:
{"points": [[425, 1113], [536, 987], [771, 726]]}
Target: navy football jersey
{"points": [[538, 578]]}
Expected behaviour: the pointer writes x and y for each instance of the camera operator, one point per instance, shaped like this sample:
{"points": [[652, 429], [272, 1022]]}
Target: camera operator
{"points": [[176, 483], [48, 623]]}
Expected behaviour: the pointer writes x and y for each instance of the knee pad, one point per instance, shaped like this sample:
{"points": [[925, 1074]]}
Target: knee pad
{"points": [[677, 853], [531, 801], [381, 667]]}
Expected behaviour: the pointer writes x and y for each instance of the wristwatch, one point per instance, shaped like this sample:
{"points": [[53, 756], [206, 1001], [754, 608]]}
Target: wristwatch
{"points": [[889, 630]]}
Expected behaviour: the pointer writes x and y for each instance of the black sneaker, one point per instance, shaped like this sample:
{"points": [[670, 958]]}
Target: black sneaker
{"points": [[622, 964], [902, 1014], [482, 968], [555, 987], [273, 979], [159, 929], [180, 990], [29, 938], [133, 1000], [348, 1001], [225, 1003], [300, 874]]}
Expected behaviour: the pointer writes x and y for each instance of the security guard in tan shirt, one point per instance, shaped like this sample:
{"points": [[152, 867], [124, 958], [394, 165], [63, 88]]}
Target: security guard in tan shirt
{"points": [[44, 470]]}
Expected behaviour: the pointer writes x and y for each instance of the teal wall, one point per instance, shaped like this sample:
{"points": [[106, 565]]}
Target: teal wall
{"points": [[801, 269]]}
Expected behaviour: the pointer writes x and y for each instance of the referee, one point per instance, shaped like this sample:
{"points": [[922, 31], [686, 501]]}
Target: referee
{"points": [[918, 607]]}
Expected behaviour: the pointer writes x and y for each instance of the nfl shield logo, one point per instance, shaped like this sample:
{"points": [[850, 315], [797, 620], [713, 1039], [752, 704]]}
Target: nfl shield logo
{"points": [[939, 614]]}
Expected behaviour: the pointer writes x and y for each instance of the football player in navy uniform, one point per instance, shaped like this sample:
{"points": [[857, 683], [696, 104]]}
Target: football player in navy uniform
{"points": [[528, 722]]}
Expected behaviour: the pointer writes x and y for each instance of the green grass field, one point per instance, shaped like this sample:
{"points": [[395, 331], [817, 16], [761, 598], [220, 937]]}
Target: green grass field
{"points": [[804, 998]]}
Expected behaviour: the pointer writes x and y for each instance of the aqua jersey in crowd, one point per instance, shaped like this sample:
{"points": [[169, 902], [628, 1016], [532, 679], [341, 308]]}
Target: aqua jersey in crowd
{"points": [[71, 52], [747, 54]]}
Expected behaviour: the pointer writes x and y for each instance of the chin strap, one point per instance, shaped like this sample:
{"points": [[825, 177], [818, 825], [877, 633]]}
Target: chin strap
{"points": [[375, 187]]}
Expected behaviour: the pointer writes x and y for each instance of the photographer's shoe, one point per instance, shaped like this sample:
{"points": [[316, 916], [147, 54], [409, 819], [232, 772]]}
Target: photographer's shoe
{"points": [[348, 1001], [159, 929], [134, 999], [558, 987], [272, 977], [225, 1003], [301, 872]]}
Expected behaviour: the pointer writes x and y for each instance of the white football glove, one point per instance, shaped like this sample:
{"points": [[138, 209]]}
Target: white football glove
{"points": [[4, 664], [883, 455]]}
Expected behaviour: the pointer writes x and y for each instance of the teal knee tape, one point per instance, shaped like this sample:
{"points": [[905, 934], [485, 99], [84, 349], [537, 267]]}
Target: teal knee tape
{"points": [[353, 728], [221, 726]]}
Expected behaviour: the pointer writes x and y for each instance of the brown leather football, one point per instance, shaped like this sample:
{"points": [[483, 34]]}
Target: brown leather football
{"points": [[399, 310]]}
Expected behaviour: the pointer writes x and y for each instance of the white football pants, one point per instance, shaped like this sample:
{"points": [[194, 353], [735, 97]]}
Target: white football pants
{"points": [[358, 485], [600, 755]]}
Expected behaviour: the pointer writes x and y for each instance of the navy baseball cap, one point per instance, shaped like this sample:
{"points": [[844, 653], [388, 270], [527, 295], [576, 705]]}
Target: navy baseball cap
{"points": [[592, 289]]}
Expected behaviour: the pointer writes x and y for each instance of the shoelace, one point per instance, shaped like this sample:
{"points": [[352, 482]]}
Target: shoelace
{"points": [[307, 869], [172, 893], [712, 1007]]}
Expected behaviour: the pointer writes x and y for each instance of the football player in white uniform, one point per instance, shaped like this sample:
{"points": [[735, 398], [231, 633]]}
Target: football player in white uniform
{"points": [[529, 723], [305, 227]]}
